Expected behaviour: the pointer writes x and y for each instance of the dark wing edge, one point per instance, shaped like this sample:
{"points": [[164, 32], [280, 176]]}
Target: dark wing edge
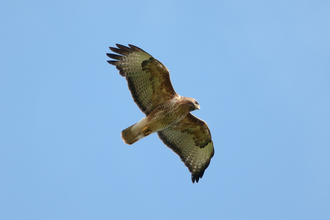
{"points": [[191, 140]]}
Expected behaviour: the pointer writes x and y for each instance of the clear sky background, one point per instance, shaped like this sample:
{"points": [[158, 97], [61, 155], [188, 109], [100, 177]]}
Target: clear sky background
{"points": [[259, 69]]}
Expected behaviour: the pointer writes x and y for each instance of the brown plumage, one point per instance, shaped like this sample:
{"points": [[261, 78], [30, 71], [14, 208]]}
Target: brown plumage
{"points": [[167, 113]]}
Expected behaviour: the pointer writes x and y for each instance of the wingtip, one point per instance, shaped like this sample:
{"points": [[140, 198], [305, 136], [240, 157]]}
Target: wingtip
{"points": [[194, 178], [108, 55], [112, 62], [197, 176]]}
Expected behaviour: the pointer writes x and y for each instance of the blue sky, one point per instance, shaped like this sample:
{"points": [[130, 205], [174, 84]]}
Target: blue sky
{"points": [[259, 69]]}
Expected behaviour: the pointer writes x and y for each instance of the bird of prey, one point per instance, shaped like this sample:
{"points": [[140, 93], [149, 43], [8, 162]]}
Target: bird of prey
{"points": [[167, 113]]}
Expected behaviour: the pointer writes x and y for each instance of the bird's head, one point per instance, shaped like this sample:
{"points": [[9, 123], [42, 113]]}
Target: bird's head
{"points": [[194, 105]]}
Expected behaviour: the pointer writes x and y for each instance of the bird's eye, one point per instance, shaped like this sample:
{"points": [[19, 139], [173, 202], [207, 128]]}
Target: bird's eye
{"points": [[196, 103]]}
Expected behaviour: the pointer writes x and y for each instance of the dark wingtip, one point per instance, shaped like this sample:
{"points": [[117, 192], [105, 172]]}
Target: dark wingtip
{"points": [[196, 176], [113, 48], [120, 45], [131, 45], [108, 54], [135, 48], [112, 62], [115, 56]]}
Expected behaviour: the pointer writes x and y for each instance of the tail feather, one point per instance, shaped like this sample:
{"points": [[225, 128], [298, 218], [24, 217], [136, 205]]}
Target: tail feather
{"points": [[136, 132], [128, 136]]}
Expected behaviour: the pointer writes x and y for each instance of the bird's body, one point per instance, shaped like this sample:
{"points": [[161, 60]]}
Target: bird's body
{"points": [[164, 115], [167, 113]]}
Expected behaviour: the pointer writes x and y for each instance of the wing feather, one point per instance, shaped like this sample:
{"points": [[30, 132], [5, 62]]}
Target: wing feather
{"points": [[148, 79], [191, 140]]}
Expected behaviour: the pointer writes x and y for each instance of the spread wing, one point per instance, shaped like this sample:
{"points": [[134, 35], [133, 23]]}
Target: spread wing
{"points": [[191, 140], [147, 78]]}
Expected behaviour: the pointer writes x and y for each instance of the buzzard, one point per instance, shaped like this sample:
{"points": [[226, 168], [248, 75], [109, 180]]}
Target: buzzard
{"points": [[167, 113]]}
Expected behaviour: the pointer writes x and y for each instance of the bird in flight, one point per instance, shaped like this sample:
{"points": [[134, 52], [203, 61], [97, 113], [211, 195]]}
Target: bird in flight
{"points": [[167, 113]]}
